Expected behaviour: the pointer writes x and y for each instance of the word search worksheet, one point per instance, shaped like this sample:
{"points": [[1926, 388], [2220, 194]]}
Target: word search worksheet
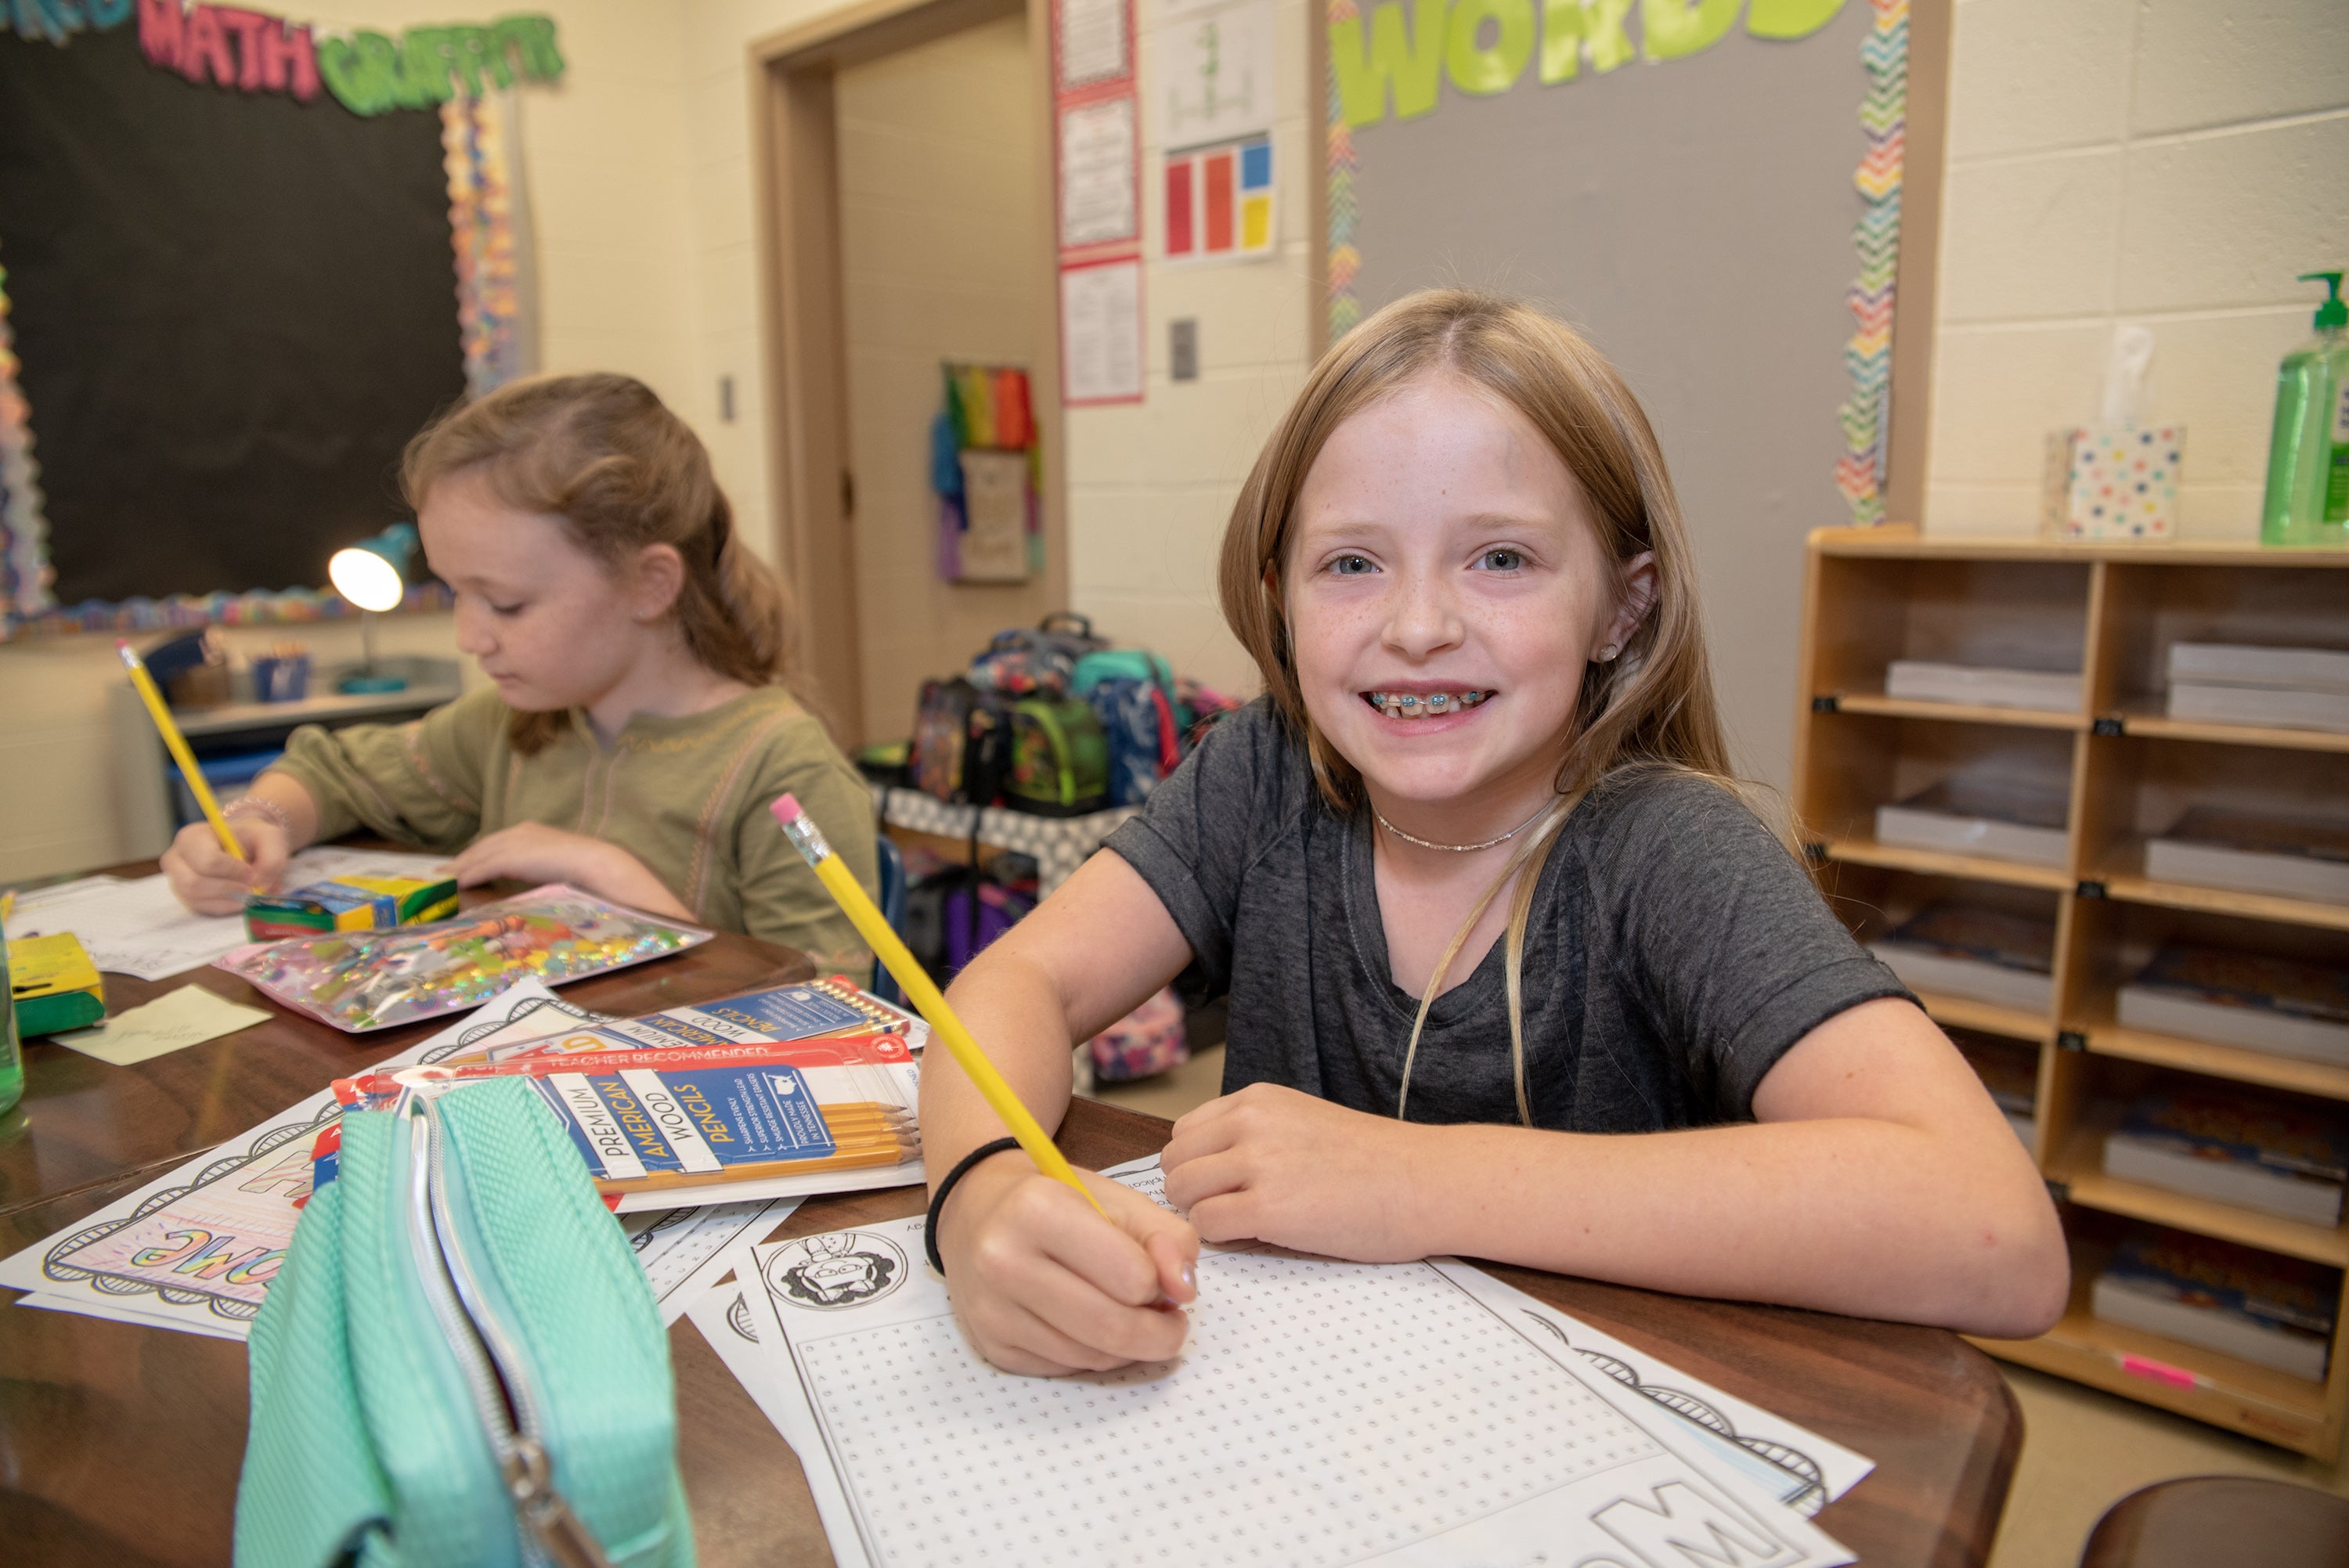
{"points": [[1322, 1413]]}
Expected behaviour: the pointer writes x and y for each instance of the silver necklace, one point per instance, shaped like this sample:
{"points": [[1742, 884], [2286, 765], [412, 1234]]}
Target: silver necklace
{"points": [[1457, 848]]}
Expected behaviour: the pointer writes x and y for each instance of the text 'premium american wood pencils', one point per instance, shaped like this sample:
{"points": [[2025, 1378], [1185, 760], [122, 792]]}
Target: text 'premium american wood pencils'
{"points": [[915, 981]]}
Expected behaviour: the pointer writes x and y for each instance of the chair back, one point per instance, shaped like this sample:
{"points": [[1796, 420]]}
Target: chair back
{"points": [[893, 909], [2197, 1521]]}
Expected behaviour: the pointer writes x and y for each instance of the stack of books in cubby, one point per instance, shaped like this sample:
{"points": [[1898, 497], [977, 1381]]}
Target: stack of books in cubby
{"points": [[2091, 801]]}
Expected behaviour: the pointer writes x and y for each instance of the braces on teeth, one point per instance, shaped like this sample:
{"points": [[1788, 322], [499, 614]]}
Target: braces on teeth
{"points": [[1409, 704]]}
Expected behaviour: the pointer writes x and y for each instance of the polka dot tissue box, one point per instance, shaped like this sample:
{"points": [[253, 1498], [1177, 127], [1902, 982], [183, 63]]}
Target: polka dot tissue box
{"points": [[2113, 481]]}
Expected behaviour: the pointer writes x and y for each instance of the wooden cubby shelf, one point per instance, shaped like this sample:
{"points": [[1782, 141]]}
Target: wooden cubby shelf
{"points": [[2106, 1037], [2078, 1170], [2125, 772], [1862, 850], [1876, 702], [2144, 717], [1964, 1013], [2185, 1380]]}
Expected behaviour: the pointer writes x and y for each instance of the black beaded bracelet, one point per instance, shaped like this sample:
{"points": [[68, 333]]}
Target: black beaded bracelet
{"points": [[938, 1198]]}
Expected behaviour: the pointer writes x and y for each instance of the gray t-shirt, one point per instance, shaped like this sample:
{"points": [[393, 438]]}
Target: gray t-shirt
{"points": [[1675, 950]]}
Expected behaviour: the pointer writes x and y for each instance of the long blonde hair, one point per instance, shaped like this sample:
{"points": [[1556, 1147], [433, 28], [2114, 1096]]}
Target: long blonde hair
{"points": [[1652, 706], [604, 453]]}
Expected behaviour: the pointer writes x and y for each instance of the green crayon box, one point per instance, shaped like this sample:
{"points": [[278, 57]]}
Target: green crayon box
{"points": [[349, 903]]}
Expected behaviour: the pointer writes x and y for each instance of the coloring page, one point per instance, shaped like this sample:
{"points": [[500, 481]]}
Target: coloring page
{"points": [[1322, 1412]]}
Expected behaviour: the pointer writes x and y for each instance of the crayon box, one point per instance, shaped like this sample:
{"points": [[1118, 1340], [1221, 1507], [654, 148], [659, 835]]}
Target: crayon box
{"points": [[349, 903]]}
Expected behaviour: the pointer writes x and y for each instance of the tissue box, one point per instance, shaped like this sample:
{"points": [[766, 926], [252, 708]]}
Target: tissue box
{"points": [[2113, 481], [348, 903]]}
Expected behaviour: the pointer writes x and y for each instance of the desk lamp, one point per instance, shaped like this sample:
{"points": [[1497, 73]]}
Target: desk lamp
{"points": [[372, 574]]}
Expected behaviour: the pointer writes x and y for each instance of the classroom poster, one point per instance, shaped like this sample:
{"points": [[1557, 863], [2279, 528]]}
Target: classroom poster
{"points": [[1097, 191], [1097, 180], [1211, 95], [1101, 332]]}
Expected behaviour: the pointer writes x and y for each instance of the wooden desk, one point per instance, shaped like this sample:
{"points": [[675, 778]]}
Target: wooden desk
{"points": [[120, 1446]]}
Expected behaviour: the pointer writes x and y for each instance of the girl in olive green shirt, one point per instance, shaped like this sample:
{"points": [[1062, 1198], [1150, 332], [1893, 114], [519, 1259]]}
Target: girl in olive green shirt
{"points": [[638, 726]]}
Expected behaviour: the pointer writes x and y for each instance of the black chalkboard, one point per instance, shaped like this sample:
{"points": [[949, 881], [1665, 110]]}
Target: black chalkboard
{"points": [[230, 313]]}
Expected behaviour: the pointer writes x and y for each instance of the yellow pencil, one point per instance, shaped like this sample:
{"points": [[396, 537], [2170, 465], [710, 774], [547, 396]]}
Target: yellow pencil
{"points": [[915, 982], [178, 744]]}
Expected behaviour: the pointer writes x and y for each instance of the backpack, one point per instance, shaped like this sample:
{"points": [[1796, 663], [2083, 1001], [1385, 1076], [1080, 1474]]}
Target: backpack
{"points": [[1042, 661], [961, 744], [1148, 1040], [1123, 664], [950, 916], [1145, 745], [1059, 759]]}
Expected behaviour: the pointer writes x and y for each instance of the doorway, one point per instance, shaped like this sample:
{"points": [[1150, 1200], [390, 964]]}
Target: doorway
{"points": [[907, 225]]}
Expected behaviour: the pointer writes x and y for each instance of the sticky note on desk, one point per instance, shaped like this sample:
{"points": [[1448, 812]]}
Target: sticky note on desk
{"points": [[187, 1017]]}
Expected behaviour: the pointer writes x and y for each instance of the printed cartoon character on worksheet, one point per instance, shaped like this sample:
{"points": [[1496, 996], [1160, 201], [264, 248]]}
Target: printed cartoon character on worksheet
{"points": [[845, 1269]]}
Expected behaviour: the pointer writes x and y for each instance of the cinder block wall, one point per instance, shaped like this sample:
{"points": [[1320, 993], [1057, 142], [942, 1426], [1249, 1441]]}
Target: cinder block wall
{"points": [[2168, 163]]}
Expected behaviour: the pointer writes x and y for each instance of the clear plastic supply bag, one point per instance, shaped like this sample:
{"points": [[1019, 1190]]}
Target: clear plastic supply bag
{"points": [[364, 980]]}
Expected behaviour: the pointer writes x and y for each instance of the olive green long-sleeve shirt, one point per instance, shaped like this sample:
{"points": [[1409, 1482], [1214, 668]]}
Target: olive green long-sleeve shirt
{"points": [[688, 797]]}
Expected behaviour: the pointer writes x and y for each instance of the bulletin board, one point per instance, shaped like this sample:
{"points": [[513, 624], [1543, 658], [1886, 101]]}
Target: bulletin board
{"points": [[1710, 190], [236, 282]]}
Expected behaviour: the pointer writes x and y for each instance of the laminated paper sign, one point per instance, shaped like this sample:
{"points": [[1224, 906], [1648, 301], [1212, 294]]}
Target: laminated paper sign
{"points": [[1097, 180], [1097, 158], [1219, 203], [1101, 332]]}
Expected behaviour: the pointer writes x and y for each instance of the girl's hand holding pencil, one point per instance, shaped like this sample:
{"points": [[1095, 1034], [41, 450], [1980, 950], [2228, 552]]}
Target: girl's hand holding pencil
{"points": [[210, 880], [1045, 1288], [1053, 1270]]}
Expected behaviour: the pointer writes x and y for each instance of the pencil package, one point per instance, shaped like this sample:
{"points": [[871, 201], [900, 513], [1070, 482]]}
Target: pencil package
{"points": [[692, 1116], [367, 980], [349, 903], [812, 1009]]}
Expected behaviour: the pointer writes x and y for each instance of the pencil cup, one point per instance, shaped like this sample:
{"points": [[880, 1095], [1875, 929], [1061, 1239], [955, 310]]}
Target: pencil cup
{"points": [[286, 679]]}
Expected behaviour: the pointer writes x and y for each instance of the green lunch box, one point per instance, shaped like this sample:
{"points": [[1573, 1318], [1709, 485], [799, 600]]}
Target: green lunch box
{"points": [[461, 1360]]}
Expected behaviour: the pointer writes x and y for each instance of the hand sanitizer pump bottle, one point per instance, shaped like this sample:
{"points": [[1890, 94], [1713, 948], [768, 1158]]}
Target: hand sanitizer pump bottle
{"points": [[2308, 457]]}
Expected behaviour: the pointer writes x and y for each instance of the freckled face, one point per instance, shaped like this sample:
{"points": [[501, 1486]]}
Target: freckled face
{"points": [[1442, 552], [548, 622]]}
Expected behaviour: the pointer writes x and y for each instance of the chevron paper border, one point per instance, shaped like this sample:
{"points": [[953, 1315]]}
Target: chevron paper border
{"points": [[24, 534], [1344, 259], [1866, 415]]}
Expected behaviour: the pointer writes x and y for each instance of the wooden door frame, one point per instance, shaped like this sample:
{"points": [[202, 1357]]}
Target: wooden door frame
{"points": [[795, 148]]}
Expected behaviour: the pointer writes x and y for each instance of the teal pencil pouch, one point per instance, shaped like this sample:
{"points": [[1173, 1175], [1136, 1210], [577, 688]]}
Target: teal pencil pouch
{"points": [[461, 1360]]}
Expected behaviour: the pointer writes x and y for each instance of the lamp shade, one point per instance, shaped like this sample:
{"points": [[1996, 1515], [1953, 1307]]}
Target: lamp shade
{"points": [[372, 573]]}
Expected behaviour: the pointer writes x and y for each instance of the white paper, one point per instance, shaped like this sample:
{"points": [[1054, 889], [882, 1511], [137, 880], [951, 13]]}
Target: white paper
{"points": [[994, 545], [1101, 332], [113, 1313], [138, 927], [1211, 73], [1098, 174], [1322, 1410], [812, 1184], [684, 1251], [1091, 35], [1793, 1464], [196, 1249]]}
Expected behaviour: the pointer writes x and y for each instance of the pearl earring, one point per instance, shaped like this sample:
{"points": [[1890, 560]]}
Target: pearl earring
{"points": [[1607, 654]]}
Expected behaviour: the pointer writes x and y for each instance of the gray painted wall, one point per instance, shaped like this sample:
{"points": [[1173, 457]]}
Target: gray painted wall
{"points": [[1693, 218]]}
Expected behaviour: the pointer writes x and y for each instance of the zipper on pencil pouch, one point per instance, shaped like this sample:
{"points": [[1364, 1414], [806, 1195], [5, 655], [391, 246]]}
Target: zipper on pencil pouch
{"points": [[505, 1400]]}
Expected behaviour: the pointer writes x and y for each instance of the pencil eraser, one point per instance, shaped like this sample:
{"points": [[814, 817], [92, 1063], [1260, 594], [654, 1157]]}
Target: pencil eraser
{"points": [[786, 809]]}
